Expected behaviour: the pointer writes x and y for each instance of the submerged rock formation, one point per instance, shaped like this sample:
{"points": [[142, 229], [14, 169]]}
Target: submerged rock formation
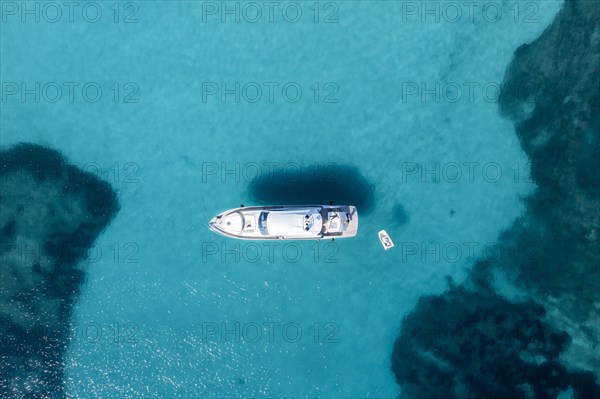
{"points": [[560, 74], [551, 93], [472, 343], [50, 215]]}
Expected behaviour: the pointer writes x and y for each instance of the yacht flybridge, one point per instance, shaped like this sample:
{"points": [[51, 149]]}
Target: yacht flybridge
{"points": [[287, 222]]}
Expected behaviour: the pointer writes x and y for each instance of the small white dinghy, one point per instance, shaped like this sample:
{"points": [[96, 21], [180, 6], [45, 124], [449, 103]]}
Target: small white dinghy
{"points": [[386, 240], [306, 222]]}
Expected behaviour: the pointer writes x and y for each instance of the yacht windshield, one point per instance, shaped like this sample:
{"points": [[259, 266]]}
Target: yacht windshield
{"points": [[262, 222]]}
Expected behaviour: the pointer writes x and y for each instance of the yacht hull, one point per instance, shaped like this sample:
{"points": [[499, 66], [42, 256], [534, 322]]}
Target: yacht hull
{"points": [[298, 222]]}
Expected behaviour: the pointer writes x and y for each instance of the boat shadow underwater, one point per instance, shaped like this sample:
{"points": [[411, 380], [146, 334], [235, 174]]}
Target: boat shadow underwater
{"points": [[329, 184]]}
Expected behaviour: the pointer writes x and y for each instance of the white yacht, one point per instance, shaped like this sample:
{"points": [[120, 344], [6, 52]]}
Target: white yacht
{"points": [[287, 222]]}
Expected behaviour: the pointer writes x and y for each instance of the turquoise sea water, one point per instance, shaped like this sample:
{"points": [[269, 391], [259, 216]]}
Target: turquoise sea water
{"points": [[152, 314]]}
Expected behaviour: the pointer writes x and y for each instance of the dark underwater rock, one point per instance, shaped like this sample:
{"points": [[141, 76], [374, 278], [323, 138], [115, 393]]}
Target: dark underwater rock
{"points": [[50, 214], [560, 73], [476, 344], [484, 345]]}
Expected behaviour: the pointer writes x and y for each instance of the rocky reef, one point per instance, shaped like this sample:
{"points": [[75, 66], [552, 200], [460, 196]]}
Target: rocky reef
{"points": [[471, 342], [560, 74], [50, 214], [543, 342]]}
